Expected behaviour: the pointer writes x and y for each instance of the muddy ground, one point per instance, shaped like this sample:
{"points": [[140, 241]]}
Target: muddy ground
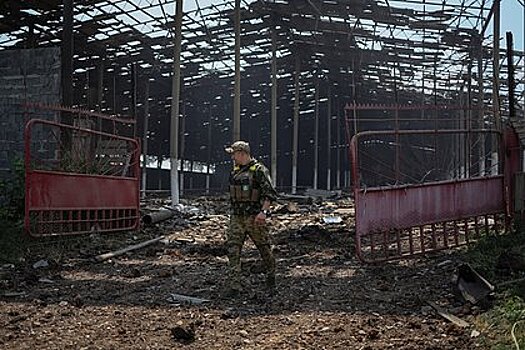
{"points": [[325, 298]]}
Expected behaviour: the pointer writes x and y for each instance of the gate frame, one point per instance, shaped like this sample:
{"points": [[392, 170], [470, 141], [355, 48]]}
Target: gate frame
{"points": [[69, 200], [509, 167]]}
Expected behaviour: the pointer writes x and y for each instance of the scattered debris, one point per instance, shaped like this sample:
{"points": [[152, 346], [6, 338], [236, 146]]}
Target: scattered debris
{"points": [[179, 298], [321, 289], [13, 294], [290, 207], [472, 286], [110, 255], [40, 264], [444, 263], [158, 216], [448, 316], [183, 334], [332, 219], [296, 198], [45, 280], [324, 194], [344, 211]]}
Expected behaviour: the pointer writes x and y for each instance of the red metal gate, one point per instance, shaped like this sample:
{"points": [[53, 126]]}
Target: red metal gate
{"points": [[414, 193], [79, 180]]}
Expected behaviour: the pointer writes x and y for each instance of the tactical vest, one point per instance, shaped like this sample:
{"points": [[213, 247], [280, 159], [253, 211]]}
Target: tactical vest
{"points": [[242, 185]]}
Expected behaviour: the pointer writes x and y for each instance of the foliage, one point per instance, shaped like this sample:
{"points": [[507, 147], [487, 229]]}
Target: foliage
{"points": [[483, 257], [504, 324], [12, 192]]}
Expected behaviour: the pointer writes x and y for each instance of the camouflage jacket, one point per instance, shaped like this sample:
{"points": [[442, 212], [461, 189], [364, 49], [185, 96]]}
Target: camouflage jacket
{"points": [[250, 186]]}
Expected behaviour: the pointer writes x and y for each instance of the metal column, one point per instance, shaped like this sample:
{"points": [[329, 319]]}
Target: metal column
{"points": [[67, 54], [237, 88], [329, 140], [316, 134], [174, 125], [145, 139], [274, 109], [295, 142]]}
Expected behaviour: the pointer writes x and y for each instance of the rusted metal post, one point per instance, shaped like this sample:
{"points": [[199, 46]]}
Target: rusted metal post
{"points": [[237, 87], [87, 87], [145, 139], [396, 128], [495, 87], [67, 55], [174, 122], [134, 96], [347, 177], [273, 155], [469, 115], [295, 142], [436, 127], [114, 90], [100, 85], [339, 130], [481, 112], [316, 133], [511, 83], [182, 148], [353, 97], [159, 171], [329, 139], [462, 145], [208, 156]]}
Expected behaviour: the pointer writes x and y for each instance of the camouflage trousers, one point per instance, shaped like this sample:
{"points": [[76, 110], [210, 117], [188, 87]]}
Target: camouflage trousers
{"points": [[241, 226]]}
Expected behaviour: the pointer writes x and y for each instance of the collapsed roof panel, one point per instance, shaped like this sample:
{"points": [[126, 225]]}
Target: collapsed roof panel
{"points": [[364, 48]]}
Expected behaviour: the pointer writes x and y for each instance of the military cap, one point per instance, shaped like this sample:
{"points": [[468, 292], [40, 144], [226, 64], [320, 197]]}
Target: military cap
{"points": [[238, 146]]}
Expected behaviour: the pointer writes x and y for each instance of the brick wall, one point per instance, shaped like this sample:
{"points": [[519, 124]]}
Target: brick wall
{"points": [[26, 75]]}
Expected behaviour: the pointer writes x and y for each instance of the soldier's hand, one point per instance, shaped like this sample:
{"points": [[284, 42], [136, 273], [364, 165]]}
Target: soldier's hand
{"points": [[260, 219]]}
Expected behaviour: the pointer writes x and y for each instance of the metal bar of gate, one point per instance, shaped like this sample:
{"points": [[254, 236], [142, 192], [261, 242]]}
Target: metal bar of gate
{"points": [[383, 210], [60, 202]]}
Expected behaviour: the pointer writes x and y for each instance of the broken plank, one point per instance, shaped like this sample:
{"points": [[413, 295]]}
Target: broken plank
{"points": [[448, 316], [113, 254], [174, 298]]}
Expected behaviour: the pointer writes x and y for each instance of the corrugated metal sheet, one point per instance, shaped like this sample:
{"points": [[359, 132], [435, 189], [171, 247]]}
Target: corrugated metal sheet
{"points": [[399, 208]]}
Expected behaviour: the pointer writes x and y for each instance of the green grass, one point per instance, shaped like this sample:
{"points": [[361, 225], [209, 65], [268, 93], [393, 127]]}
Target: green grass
{"points": [[484, 255], [508, 310], [497, 323], [12, 191], [12, 241]]}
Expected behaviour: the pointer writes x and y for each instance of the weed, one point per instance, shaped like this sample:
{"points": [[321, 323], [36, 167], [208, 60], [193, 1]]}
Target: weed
{"points": [[504, 324], [12, 191], [484, 256]]}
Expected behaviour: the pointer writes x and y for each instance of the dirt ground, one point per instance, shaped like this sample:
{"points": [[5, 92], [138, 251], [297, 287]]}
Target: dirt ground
{"points": [[325, 298]]}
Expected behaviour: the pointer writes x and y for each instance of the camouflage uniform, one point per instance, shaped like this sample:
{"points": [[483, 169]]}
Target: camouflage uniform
{"points": [[250, 186]]}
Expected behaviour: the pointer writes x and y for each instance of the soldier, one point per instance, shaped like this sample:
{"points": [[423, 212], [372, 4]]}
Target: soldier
{"points": [[251, 193]]}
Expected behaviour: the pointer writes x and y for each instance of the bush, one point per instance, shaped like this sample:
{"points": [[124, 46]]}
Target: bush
{"points": [[12, 193]]}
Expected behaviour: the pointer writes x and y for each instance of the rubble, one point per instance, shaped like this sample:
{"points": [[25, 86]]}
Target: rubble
{"points": [[324, 297]]}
